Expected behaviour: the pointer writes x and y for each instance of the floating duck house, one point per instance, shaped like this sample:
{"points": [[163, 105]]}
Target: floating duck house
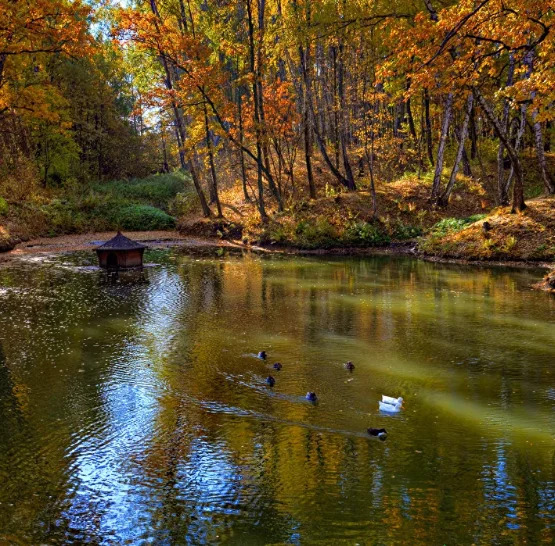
{"points": [[120, 253]]}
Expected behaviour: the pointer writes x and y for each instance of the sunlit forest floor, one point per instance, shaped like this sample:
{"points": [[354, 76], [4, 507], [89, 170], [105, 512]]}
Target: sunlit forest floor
{"points": [[404, 215]]}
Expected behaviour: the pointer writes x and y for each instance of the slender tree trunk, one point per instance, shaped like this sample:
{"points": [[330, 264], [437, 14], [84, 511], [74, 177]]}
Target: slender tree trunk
{"points": [[444, 199], [466, 164], [473, 136], [335, 110], [256, 114], [501, 195], [412, 127], [261, 114], [214, 197], [441, 148], [241, 153], [518, 188], [304, 55], [548, 182], [429, 145], [518, 141], [196, 182], [343, 117]]}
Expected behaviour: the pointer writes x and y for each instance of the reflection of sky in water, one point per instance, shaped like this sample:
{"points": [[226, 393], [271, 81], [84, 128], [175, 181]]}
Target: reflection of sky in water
{"points": [[107, 467], [499, 493], [103, 467]]}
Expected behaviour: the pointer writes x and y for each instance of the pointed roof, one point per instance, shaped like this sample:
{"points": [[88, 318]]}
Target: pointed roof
{"points": [[120, 242]]}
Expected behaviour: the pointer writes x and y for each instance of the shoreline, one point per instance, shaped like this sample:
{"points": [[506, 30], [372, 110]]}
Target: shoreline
{"points": [[167, 239]]}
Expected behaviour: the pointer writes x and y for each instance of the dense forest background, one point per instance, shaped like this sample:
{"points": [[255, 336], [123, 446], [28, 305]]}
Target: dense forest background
{"points": [[273, 103]]}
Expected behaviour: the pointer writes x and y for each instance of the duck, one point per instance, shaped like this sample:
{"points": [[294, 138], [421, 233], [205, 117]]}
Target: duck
{"points": [[262, 355], [390, 408], [391, 400], [311, 396], [271, 381], [381, 433], [277, 366], [349, 366]]}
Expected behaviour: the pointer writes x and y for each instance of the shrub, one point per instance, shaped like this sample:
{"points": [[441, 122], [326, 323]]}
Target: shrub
{"points": [[3, 206], [510, 243], [318, 234], [64, 217], [365, 234], [489, 245], [143, 218], [277, 233], [403, 231], [453, 225], [184, 204]]}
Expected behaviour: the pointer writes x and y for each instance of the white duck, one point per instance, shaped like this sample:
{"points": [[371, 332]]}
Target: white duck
{"points": [[391, 400], [391, 407]]}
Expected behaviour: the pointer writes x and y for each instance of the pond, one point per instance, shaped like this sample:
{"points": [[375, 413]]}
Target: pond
{"points": [[133, 409]]}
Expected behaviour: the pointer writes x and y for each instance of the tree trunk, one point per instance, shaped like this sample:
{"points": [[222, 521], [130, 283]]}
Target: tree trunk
{"points": [[412, 127], [241, 153], [256, 114], [466, 164], [343, 115], [214, 198], [304, 55], [429, 144], [518, 141], [518, 189], [441, 148], [444, 199], [548, 183], [538, 137], [196, 182], [501, 194]]}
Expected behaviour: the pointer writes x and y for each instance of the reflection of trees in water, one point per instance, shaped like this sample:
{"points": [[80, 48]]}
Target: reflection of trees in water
{"points": [[10, 413], [298, 467], [210, 473]]}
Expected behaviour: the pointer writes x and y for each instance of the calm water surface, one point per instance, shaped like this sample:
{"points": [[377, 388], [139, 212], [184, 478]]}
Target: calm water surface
{"points": [[133, 411]]}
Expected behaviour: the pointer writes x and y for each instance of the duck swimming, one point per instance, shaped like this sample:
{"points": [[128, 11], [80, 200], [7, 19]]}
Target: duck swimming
{"points": [[271, 381], [391, 400], [277, 366], [381, 433], [390, 408], [262, 355], [349, 366], [311, 396]]}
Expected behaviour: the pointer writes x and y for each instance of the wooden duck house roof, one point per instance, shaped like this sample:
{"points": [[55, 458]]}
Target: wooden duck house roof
{"points": [[120, 242]]}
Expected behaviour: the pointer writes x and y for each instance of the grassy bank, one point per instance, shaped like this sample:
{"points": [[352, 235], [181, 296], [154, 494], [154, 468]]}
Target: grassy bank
{"points": [[151, 203], [529, 236], [337, 219]]}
